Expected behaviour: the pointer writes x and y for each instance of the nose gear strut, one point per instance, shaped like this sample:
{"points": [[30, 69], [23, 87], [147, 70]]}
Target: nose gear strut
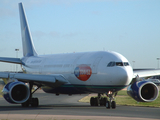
{"points": [[111, 102]]}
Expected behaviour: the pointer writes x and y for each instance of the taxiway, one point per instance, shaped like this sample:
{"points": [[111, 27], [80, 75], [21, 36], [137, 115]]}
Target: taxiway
{"points": [[67, 107]]}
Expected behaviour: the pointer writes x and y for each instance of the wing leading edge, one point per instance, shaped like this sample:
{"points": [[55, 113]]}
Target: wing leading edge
{"points": [[49, 80], [11, 60], [145, 72]]}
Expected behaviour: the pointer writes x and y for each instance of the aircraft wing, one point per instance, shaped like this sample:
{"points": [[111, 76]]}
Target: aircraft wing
{"points": [[53, 80], [11, 60], [145, 72]]}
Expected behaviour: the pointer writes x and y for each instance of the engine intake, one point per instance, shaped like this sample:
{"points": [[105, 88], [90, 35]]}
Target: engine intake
{"points": [[16, 92], [143, 91]]}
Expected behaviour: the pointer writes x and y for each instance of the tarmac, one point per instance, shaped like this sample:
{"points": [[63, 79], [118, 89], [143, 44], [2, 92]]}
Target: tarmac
{"points": [[64, 107]]}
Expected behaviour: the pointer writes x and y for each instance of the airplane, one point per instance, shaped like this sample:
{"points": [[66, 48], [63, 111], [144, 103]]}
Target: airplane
{"points": [[100, 72]]}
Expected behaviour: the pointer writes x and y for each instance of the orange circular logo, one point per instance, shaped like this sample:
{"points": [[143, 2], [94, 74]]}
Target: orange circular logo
{"points": [[83, 72]]}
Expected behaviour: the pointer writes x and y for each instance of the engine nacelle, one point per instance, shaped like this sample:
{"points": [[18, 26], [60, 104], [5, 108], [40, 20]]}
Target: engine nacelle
{"points": [[143, 91], [16, 92]]}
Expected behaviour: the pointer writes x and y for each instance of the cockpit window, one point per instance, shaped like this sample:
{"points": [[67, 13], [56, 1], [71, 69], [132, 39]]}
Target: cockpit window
{"points": [[119, 64], [111, 64], [126, 64]]}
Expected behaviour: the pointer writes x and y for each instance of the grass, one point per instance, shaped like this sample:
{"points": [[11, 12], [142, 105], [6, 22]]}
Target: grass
{"points": [[123, 99]]}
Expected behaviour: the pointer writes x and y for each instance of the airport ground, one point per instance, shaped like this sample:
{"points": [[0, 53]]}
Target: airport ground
{"points": [[64, 107]]}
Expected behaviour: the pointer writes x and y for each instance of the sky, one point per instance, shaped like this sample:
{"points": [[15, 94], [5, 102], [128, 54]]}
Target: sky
{"points": [[129, 27]]}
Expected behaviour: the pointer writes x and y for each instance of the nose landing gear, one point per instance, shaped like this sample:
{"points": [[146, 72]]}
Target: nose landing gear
{"points": [[111, 102]]}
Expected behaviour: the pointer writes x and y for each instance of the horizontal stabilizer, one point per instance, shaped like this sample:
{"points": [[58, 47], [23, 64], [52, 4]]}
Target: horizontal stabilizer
{"points": [[11, 60]]}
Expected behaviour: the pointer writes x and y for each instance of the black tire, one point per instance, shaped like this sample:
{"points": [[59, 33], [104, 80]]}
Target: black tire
{"points": [[108, 105], [113, 104], [96, 102], [104, 101], [92, 101], [35, 102], [101, 102], [25, 104]]}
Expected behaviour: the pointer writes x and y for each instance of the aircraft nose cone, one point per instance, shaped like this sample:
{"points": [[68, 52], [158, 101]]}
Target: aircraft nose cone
{"points": [[125, 75]]}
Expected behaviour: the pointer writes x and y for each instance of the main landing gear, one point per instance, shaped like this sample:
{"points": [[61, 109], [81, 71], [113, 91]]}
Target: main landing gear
{"points": [[103, 101], [34, 102], [98, 101]]}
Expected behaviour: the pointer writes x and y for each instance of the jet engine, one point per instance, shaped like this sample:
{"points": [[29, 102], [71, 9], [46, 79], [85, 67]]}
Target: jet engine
{"points": [[16, 92], [143, 91]]}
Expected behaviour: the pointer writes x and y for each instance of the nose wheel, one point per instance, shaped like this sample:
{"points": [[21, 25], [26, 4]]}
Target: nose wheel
{"points": [[111, 102]]}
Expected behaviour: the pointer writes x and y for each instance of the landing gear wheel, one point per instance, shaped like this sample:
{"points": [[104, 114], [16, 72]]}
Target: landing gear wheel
{"points": [[25, 104], [103, 101], [108, 105], [111, 96], [35, 102], [113, 104], [95, 101], [92, 101]]}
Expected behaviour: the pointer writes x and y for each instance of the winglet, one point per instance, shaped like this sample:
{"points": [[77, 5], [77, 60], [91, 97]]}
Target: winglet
{"points": [[28, 46]]}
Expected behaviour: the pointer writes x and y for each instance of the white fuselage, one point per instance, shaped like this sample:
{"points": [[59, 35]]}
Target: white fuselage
{"points": [[86, 69]]}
